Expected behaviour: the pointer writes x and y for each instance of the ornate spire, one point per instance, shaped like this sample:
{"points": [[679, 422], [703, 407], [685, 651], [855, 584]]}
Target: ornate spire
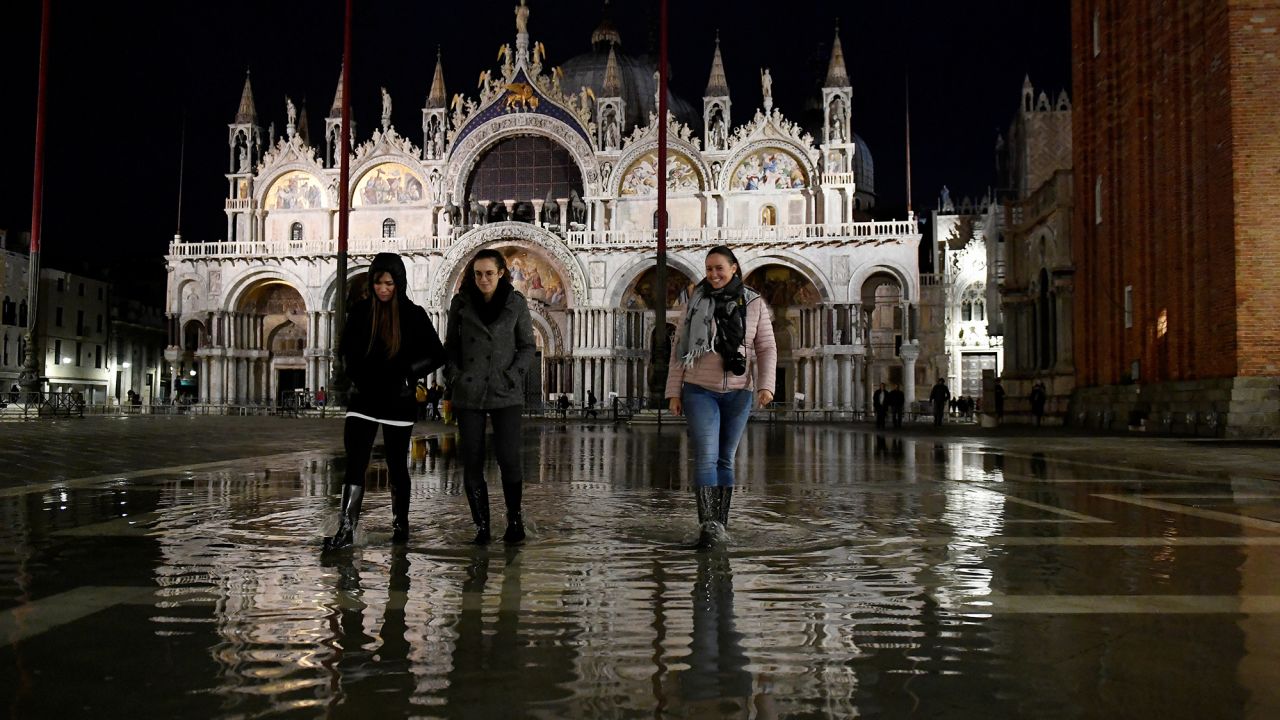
{"points": [[303, 131], [837, 76], [246, 113], [335, 111], [717, 85], [437, 98], [612, 78], [605, 32]]}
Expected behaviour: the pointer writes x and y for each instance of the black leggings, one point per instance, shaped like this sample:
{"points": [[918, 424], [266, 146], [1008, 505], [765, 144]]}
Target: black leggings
{"points": [[506, 444], [358, 436]]}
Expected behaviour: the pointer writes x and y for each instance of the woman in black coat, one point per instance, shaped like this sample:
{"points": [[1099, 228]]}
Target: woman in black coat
{"points": [[387, 344], [489, 346]]}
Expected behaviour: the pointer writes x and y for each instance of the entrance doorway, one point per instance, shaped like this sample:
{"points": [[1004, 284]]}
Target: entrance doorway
{"points": [[971, 367], [288, 381]]}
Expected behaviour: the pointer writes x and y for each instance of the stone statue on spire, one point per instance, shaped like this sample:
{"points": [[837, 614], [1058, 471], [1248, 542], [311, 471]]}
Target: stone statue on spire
{"points": [[291, 113], [522, 18], [386, 109], [766, 88]]}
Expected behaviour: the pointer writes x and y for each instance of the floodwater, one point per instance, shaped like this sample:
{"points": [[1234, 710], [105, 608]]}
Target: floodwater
{"points": [[866, 575]]}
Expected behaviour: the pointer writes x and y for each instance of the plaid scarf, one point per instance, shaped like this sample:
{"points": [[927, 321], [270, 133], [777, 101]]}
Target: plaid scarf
{"points": [[715, 321]]}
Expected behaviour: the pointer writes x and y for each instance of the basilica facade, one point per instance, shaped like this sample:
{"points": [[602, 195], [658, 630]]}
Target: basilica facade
{"points": [[557, 168]]}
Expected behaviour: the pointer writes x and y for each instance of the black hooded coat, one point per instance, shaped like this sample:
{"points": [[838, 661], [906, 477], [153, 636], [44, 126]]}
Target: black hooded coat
{"points": [[383, 387]]}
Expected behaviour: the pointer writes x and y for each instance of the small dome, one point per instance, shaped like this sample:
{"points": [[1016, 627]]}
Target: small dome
{"points": [[638, 85], [864, 168]]}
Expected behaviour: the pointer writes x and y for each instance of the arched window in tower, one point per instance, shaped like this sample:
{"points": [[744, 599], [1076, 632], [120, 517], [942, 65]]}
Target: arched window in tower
{"points": [[22, 313], [295, 232], [388, 228], [10, 311], [966, 311], [979, 311], [768, 215]]}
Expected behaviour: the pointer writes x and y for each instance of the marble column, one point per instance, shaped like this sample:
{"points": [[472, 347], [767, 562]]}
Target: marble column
{"points": [[909, 353], [830, 381]]}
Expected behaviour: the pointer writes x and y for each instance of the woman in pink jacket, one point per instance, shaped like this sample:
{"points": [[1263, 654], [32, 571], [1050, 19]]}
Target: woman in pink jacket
{"points": [[724, 339]]}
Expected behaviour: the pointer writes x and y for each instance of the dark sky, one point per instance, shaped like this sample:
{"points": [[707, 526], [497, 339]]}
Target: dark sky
{"points": [[126, 77]]}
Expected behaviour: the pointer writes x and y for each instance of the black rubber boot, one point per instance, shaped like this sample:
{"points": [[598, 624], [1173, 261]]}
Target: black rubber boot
{"points": [[478, 499], [512, 493], [708, 515], [345, 537], [399, 515], [722, 511]]}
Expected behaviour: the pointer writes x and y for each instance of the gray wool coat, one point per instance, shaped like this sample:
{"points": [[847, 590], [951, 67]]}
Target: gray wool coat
{"points": [[486, 364]]}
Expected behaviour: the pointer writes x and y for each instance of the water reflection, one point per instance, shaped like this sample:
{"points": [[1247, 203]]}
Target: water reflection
{"points": [[370, 672], [843, 593], [717, 677]]}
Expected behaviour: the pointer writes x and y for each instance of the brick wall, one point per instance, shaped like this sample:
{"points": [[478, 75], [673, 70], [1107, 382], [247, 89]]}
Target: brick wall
{"points": [[1177, 114], [1254, 83]]}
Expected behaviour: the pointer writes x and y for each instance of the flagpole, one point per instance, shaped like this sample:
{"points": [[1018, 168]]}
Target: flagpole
{"points": [[338, 377], [661, 349], [30, 376]]}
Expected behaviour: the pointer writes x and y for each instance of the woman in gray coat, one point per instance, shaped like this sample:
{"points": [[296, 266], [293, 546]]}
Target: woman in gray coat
{"points": [[489, 347]]}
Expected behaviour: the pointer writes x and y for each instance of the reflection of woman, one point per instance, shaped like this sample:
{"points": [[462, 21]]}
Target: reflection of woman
{"points": [[388, 343], [725, 334], [717, 672], [490, 346], [383, 677]]}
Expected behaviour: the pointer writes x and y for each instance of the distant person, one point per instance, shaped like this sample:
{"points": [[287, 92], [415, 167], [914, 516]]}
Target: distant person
{"points": [[591, 404], [321, 397], [1038, 398], [897, 402], [490, 347], [939, 396], [880, 404], [999, 393], [388, 342], [726, 332], [562, 404], [434, 395]]}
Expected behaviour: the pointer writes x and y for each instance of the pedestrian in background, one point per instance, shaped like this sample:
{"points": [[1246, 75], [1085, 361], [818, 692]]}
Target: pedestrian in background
{"points": [[1038, 398], [880, 404], [489, 344], [388, 342], [939, 396], [726, 333], [897, 402]]}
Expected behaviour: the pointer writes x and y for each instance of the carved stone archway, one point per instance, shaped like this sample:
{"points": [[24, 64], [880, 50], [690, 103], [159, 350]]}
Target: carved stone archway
{"points": [[512, 233], [465, 155]]}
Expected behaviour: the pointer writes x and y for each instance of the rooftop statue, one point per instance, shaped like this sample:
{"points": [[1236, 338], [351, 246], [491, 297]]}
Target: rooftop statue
{"points": [[522, 18]]}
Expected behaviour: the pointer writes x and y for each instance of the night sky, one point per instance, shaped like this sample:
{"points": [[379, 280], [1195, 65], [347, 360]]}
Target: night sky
{"points": [[126, 78]]}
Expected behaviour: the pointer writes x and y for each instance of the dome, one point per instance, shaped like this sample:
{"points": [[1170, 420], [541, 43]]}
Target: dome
{"points": [[638, 85], [864, 168]]}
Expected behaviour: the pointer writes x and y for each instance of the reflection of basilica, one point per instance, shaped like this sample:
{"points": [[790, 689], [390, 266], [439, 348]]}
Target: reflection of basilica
{"points": [[557, 167]]}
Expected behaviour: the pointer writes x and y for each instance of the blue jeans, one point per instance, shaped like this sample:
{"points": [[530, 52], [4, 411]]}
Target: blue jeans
{"points": [[716, 421]]}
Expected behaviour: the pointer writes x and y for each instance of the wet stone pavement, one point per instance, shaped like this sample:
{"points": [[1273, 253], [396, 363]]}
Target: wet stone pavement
{"points": [[170, 568]]}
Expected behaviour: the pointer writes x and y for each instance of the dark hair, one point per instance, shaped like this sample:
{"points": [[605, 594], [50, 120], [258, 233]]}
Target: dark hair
{"points": [[384, 317], [469, 277], [727, 253]]}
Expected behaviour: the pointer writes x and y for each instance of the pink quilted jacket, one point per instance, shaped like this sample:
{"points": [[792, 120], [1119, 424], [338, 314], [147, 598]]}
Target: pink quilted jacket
{"points": [[708, 371]]}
